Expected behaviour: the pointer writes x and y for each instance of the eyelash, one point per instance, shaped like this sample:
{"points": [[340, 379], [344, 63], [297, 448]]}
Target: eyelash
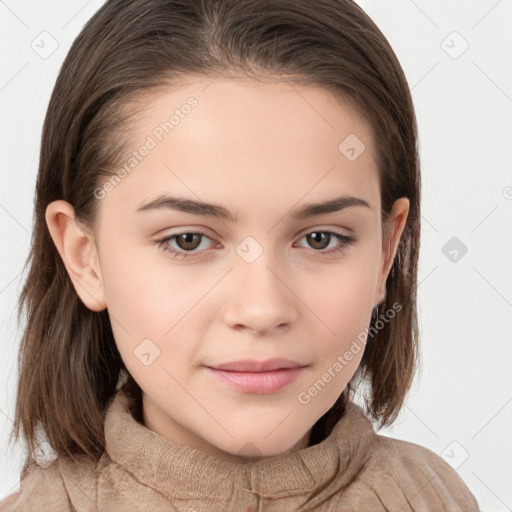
{"points": [[344, 242]]}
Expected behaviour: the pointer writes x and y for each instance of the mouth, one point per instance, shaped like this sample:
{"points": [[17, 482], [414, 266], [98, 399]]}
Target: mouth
{"points": [[254, 366], [257, 377]]}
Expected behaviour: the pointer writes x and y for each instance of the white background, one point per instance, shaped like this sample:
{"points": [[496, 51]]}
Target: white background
{"points": [[461, 403]]}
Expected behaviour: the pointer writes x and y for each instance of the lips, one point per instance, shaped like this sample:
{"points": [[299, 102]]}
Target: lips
{"points": [[257, 382], [254, 366]]}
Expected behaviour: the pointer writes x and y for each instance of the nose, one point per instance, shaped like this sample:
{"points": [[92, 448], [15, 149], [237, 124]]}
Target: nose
{"points": [[262, 297]]}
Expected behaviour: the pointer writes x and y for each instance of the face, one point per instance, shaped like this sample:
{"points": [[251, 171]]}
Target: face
{"points": [[260, 275]]}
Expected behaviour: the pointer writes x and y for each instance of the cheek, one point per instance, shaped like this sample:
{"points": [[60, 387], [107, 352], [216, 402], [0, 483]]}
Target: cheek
{"points": [[342, 294], [155, 301], [137, 295]]}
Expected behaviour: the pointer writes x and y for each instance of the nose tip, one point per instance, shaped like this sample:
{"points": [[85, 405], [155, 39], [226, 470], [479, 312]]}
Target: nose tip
{"points": [[262, 301]]}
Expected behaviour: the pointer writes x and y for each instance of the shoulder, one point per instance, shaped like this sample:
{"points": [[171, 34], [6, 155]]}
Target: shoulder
{"points": [[416, 476], [60, 487], [41, 489]]}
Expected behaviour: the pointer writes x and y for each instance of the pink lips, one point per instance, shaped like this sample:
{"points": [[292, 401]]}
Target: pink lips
{"points": [[260, 377]]}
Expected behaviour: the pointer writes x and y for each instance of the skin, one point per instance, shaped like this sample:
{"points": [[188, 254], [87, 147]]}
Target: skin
{"points": [[261, 150]]}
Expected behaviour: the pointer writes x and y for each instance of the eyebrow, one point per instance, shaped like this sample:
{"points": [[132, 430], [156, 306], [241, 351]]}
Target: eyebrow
{"points": [[164, 202]]}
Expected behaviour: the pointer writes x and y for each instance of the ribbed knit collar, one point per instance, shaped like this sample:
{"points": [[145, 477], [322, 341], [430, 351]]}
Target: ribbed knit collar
{"points": [[315, 472]]}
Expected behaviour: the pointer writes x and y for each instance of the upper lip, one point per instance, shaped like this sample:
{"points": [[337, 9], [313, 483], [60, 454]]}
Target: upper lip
{"points": [[252, 365]]}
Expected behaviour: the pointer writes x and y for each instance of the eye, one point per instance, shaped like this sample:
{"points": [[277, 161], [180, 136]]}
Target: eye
{"points": [[189, 242], [321, 239]]}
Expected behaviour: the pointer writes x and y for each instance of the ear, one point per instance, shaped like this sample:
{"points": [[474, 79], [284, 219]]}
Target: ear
{"points": [[394, 228], [77, 248]]}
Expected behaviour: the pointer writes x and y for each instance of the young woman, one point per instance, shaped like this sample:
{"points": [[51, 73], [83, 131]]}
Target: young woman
{"points": [[225, 248]]}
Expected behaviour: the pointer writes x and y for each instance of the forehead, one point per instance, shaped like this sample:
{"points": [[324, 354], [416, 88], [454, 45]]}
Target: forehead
{"points": [[249, 106], [244, 139]]}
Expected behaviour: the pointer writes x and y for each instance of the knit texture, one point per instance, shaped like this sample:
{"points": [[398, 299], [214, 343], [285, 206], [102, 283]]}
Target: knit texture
{"points": [[352, 469]]}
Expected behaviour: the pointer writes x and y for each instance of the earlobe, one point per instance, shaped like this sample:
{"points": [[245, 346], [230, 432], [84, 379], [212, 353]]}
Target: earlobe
{"points": [[78, 252]]}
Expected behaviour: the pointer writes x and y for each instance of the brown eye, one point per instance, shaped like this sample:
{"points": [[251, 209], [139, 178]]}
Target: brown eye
{"points": [[188, 241], [184, 245], [318, 239]]}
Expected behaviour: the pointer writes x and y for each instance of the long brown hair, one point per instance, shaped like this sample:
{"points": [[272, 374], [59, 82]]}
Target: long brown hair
{"points": [[68, 362]]}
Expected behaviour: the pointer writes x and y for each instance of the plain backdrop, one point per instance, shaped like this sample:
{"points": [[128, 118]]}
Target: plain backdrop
{"points": [[457, 57]]}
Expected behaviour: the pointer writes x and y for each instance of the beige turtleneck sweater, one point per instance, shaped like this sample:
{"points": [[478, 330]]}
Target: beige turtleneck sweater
{"points": [[353, 469]]}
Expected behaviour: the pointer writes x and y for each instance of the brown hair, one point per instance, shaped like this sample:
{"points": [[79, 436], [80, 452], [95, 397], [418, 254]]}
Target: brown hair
{"points": [[68, 361]]}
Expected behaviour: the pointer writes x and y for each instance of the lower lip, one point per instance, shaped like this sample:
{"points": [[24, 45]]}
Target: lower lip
{"points": [[261, 382]]}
